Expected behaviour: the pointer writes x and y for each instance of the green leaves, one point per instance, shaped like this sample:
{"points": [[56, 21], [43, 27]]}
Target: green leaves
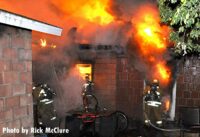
{"points": [[195, 34], [174, 36], [173, 1], [183, 16]]}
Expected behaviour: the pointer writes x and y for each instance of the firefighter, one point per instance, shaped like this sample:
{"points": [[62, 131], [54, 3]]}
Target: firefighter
{"points": [[45, 114], [152, 104], [87, 89]]}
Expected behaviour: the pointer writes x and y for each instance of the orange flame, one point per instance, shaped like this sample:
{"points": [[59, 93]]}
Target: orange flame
{"points": [[53, 46], [96, 12], [166, 104], [151, 39], [163, 71], [149, 34], [90, 10], [43, 44]]}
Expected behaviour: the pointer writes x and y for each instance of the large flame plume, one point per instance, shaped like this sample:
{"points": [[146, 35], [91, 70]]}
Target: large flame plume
{"points": [[90, 17], [91, 10], [96, 25], [152, 40]]}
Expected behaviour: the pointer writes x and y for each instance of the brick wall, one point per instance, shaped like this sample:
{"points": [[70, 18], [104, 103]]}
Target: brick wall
{"points": [[130, 86], [15, 79], [188, 82], [129, 89], [104, 73], [118, 86]]}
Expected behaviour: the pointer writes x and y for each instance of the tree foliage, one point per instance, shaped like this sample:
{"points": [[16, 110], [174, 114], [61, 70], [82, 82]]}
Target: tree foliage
{"points": [[183, 16]]}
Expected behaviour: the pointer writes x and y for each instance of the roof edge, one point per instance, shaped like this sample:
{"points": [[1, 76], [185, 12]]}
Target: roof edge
{"points": [[28, 23]]}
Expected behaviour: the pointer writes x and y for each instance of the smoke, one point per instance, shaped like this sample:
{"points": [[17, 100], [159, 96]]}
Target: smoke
{"points": [[124, 9], [92, 31], [54, 66], [112, 26], [68, 14], [116, 32], [69, 98], [112, 34]]}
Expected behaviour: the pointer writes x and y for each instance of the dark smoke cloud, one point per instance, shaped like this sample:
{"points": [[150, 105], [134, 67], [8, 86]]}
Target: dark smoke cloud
{"points": [[54, 66], [111, 34], [124, 9]]}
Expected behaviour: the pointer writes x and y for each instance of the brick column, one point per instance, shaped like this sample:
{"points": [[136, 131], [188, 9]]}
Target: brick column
{"points": [[129, 89], [105, 80], [16, 107]]}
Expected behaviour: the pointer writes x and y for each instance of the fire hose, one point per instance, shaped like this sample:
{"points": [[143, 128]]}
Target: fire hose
{"points": [[161, 129]]}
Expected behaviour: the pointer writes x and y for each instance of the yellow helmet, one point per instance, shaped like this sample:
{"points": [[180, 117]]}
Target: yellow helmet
{"points": [[155, 82]]}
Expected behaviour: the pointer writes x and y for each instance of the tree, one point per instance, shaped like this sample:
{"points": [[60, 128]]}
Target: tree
{"points": [[183, 16]]}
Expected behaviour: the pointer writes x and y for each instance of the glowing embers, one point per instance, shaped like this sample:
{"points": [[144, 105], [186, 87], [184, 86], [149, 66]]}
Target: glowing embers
{"points": [[85, 70]]}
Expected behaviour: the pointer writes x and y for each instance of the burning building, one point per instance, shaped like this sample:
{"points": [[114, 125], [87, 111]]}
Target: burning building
{"points": [[122, 47]]}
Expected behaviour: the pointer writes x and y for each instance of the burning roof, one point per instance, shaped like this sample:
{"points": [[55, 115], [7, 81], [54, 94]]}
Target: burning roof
{"points": [[107, 22]]}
